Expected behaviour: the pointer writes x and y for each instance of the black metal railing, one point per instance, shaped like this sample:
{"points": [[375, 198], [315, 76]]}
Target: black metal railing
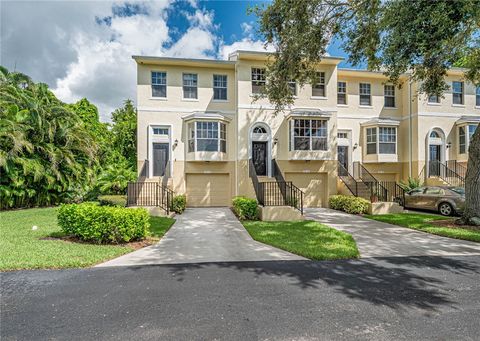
{"points": [[277, 174], [439, 169], [276, 193], [347, 179], [458, 168], [149, 194], [377, 191], [395, 193]]}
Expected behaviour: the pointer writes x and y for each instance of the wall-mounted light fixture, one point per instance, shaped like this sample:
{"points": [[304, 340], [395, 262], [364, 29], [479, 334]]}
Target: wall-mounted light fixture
{"points": [[449, 144], [355, 146], [275, 141], [175, 143]]}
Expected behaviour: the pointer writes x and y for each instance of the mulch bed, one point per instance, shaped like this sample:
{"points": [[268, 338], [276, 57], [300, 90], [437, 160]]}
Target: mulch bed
{"points": [[450, 223], [134, 245]]}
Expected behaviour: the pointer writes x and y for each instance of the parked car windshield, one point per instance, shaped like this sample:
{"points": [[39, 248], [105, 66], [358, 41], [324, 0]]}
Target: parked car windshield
{"points": [[459, 190]]}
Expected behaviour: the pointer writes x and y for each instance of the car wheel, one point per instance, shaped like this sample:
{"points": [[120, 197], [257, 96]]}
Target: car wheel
{"points": [[445, 209]]}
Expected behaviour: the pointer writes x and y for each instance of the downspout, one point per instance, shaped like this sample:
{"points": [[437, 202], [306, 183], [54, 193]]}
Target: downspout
{"points": [[410, 128], [236, 127]]}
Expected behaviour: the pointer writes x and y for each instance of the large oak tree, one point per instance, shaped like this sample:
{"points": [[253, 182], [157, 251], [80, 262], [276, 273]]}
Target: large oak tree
{"points": [[421, 38]]}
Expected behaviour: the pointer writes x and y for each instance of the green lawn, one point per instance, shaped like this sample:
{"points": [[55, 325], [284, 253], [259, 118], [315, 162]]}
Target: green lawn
{"points": [[305, 238], [422, 222], [23, 248]]}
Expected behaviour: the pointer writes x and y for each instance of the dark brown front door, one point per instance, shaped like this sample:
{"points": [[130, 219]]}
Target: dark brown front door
{"points": [[259, 157], [160, 158]]}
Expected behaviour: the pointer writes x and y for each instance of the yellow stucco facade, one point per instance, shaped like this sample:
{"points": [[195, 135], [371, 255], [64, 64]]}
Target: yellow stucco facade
{"points": [[208, 142]]}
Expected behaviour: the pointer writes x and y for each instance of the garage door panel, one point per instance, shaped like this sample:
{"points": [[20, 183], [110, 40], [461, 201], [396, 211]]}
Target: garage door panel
{"points": [[208, 190], [314, 185]]}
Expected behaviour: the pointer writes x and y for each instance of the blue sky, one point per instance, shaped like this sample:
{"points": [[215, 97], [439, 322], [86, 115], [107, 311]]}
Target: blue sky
{"points": [[84, 49]]}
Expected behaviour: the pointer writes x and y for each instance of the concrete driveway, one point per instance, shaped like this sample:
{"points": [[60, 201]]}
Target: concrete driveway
{"points": [[377, 239], [204, 235]]}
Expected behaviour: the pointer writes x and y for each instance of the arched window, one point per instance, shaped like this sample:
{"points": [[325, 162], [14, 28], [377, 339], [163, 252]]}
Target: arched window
{"points": [[259, 130], [434, 134]]}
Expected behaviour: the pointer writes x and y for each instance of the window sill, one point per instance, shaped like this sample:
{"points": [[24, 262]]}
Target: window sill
{"points": [[365, 106], [434, 104], [390, 108], [477, 107], [318, 97], [342, 105], [220, 100], [190, 99], [159, 98], [458, 105]]}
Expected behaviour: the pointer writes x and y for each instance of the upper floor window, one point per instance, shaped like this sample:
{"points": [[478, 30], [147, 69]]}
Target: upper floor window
{"points": [[433, 99], [220, 87], [386, 142], [462, 141], [318, 90], [258, 80], [457, 92], [341, 93], [159, 84], [207, 137], [190, 85], [389, 94], [293, 87], [342, 135], [309, 134], [477, 97], [365, 94]]}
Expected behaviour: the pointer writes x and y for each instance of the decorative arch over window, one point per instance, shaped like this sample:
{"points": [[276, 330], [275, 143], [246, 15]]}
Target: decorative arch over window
{"points": [[434, 134], [259, 130]]}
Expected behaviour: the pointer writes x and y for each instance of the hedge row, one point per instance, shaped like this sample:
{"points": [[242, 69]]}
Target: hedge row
{"points": [[245, 208], [349, 204], [103, 224]]}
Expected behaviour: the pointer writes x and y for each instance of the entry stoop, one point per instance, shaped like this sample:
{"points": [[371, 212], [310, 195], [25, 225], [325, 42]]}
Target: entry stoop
{"points": [[280, 213]]}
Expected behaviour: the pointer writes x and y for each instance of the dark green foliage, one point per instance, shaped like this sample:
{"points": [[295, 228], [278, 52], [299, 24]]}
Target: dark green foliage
{"points": [[245, 208], [114, 178], [103, 224], [124, 130], [47, 155], [349, 204], [179, 202], [113, 200], [411, 183], [423, 37]]}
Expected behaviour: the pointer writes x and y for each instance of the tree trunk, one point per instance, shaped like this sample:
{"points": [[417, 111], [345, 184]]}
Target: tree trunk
{"points": [[471, 214]]}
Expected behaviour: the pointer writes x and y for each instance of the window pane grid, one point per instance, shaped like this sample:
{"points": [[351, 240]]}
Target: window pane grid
{"points": [[477, 97], [207, 137], [389, 92], [310, 134], [365, 94], [220, 87], [318, 89], [457, 92], [341, 93], [159, 84], [258, 80], [190, 83]]}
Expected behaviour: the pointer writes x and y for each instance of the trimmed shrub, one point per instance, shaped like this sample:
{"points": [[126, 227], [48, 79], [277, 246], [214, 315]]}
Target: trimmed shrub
{"points": [[245, 208], [349, 204], [179, 202], [103, 224], [113, 200]]}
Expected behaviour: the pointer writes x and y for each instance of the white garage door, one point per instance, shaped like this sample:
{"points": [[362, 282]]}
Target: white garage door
{"points": [[208, 190], [314, 185]]}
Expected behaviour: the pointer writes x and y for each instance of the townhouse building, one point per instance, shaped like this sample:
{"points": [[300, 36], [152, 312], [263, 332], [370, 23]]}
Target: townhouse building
{"points": [[203, 132]]}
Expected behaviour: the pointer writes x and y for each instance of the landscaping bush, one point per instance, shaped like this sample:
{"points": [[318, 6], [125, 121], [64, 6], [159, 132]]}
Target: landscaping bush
{"points": [[178, 203], [245, 208], [349, 204], [113, 200], [103, 224]]}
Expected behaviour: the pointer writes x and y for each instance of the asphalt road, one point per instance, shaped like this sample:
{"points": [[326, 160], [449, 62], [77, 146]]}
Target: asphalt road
{"points": [[427, 298]]}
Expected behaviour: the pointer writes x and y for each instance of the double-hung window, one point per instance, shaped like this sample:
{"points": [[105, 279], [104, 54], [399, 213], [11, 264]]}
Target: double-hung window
{"points": [[365, 94], [318, 89], [462, 140], [310, 134], [220, 87], [389, 94], [387, 140], [341, 93], [159, 84], [457, 92], [477, 96], [207, 137], [433, 99], [190, 85], [371, 140], [258, 80], [293, 87]]}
